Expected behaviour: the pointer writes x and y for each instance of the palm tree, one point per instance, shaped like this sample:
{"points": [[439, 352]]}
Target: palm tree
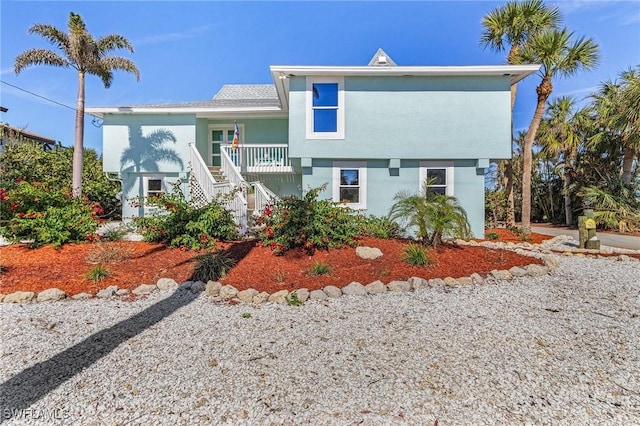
{"points": [[512, 25], [560, 136], [87, 55], [435, 215], [560, 56], [618, 106]]}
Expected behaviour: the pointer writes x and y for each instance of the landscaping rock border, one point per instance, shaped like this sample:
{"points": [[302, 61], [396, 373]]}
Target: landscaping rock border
{"points": [[546, 251]]}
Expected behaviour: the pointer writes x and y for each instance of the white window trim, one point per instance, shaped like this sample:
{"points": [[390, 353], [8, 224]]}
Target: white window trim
{"points": [[147, 178], [362, 176], [339, 134], [448, 165]]}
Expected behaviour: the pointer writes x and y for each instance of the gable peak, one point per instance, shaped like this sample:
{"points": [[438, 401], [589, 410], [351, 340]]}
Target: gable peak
{"points": [[381, 59]]}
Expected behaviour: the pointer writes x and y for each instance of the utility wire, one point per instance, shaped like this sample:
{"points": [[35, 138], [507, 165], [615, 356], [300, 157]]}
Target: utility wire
{"points": [[45, 98]]}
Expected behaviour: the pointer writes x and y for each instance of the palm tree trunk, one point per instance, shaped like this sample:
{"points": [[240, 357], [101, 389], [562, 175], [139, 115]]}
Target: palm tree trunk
{"points": [[511, 207], [568, 209], [78, 141], [544, 90], [627, 165]]}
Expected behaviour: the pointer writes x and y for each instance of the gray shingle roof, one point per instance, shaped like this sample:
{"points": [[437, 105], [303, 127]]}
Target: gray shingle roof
{"points": [[233, 96]]}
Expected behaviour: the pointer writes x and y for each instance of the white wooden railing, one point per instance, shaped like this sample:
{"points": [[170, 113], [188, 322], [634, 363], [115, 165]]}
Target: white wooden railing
{"points": [[263, 197], [228, 165], [236, 203], [260, 158]]}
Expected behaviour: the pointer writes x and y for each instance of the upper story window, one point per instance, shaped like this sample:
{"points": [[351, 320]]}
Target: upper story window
{"points": [[437, 176], [325, 108]]}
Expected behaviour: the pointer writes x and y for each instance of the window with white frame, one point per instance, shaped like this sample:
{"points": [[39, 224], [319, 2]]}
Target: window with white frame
{"points": [[350, 184], [325, 108], [437, 177], [154, 185]]}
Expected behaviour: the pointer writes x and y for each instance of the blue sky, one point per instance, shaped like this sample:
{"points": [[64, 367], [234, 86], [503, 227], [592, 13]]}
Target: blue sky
{"points": [[186, 51]]}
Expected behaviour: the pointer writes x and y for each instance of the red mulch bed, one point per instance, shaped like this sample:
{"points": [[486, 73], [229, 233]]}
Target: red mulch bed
{"points": [[143, 263], [505, 235]]}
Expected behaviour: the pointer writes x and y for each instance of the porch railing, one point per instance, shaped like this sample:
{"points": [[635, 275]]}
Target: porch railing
{"points": [[263, 197], [260, 158], [205, 188]]}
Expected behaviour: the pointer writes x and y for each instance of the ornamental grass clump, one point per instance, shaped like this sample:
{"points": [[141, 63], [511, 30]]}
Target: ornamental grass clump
{"points": [[97, 273], [416, 255], [320, 268], [212, 266], [307, 223]]}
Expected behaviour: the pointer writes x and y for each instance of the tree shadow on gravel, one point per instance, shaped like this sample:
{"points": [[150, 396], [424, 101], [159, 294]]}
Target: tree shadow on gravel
{"points": [[25, 388]]}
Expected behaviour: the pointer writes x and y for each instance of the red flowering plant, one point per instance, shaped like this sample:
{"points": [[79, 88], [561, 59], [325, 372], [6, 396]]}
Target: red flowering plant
{"points": [[44, 215], [183, 223], [307, 223]]}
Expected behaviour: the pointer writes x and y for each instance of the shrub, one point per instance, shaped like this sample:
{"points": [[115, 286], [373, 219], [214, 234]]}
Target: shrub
{"points": [[46, 215], [212, 266], [307, 223], [492, 236], [320, 268], [436, 216], [180, 223], [379, 227], [97, 273], [416, 255]]}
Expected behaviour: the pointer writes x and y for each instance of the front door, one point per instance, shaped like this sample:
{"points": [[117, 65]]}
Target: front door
{"points": [[220, 135]]}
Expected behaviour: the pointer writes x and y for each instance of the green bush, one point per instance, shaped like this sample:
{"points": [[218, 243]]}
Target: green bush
{"points": [[97, 273], [29, 162], [180, 223], [492, 236], [46, 215], [307, 223], [416, 255], [379, 227], [212, 266]]}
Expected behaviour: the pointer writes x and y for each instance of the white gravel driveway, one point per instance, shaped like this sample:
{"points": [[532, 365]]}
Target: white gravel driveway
{"points": [[559, 349]]}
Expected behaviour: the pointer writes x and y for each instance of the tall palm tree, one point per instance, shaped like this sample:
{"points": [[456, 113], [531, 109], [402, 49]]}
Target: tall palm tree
{"points": [[617, 104], [87, 55], [560, 56], [510, 26], [560, 135]]}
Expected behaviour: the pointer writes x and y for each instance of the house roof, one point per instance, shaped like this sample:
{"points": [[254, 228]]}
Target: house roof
{"points": [[9, 132], [269, 100]]}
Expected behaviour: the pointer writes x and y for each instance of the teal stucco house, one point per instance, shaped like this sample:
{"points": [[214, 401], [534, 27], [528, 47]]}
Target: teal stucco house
{"points": [[367, 132]]}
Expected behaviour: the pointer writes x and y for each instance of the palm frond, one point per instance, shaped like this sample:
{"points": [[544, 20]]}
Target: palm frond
{"points": [[38, 57]]}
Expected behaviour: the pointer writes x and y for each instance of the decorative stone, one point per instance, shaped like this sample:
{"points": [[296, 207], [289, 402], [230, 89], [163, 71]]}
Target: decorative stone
{"points": [[261, 297], [51, 295], [247, 295], [368, 252], [436, 282], [332, 291], [418, 283], [19, 297], [303, 294], [279, 296], [81, 296], [2, 297], [623, 258], [517, 271], [144, 289], [476, 278], [166, 284], [551, 262], [465, 281], [318, 295], [399, 286], [501, 275], [107, 292], [534, 270], [122, 292], [354, 289], [212, 288], [228, 292], [450, 281], [185, 285], [198, 287], [376, 287]]}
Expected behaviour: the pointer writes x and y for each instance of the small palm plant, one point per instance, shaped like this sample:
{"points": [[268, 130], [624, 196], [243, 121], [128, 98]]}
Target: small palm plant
{"points": [[436, 216]]}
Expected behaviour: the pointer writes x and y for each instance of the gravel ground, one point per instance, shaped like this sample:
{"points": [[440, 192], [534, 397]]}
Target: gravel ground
{"points": [[559, 349]]}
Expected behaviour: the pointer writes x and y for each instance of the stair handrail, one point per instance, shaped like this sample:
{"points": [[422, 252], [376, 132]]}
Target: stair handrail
{"points": [[263, 196], [230, 170]]}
